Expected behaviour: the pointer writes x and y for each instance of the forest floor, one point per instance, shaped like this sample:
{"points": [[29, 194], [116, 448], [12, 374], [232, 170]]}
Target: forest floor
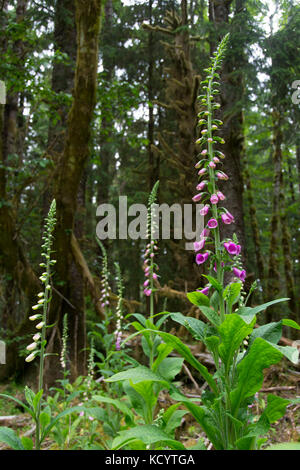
{"points": [[282, 380]]}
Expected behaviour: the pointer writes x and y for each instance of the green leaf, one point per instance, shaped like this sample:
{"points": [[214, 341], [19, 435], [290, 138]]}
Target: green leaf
{"points": [[138, 326], [164, 316], [174, 420], [137, 402], [9, 437], [145, 390], [250, 370], [231, 294], [55, 420], [27, 443], [284, 446], [201, 415], [288, 351], [137, 374], [182, 349], [170, 367], [232, 331], [45, 419], [276, 407], [250, 440], [214, 301], [211, 315], [199, 446], [197, 298], [163, 351], [213, 281], [139, 317], [98, 413], [27, 408], [196, 327], [246, 311], [115, 402], [212, 343], [271, 332], [149, 434], [290, 323], [29, 395], [168, 418], [37, 399]]}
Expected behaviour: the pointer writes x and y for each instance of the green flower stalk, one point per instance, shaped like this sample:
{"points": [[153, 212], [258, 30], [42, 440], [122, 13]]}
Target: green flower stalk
{"points": [[91, 364], [105, 288], [226, 251], [39, 344], [119, 310], [63, 354], [149, 265]]}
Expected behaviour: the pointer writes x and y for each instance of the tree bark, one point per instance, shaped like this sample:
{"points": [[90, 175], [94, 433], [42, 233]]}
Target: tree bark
{"points": [[70, 167], [255, 229], [70, 171], [273, 282], [181, 156]]}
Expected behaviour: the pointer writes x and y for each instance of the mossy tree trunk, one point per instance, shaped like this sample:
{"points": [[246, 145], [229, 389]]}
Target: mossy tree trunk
{"points": [[70, 168], [273, 281], [182, 85], [70, 171], [14, 263], [255, 229]]}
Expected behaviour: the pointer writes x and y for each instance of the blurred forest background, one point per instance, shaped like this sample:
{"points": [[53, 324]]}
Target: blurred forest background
{"points": [[88, 121]]}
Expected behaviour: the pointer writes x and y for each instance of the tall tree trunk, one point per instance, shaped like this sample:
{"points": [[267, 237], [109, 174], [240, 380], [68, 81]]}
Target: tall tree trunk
{"points": [[62, 83], [153, 175], [70, 171], [255, 229], [273, 286], [181, 99], [106, 155], [298, 161], [298, 238], [13, 257]]}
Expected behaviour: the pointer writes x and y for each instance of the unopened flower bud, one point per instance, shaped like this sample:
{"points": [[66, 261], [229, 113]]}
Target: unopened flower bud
{"points": [[36, 337], [30, 357], [35, 307], [34, 317]]}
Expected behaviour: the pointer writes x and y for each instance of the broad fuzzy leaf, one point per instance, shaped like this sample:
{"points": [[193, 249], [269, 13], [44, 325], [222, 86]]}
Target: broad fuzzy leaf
{"points": [[197, 298], [250, 370], [148, 434], [137, 374], [182, 349], [9, 437], [232, 331]]}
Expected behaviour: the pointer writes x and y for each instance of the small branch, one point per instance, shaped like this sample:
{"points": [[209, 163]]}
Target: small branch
{"points": [[81, 262], [63, 297], [191, 378], [277, 388], [158, 29]]}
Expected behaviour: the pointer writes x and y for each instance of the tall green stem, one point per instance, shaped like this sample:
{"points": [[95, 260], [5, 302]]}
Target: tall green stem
{"points": [[213, 183]]}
